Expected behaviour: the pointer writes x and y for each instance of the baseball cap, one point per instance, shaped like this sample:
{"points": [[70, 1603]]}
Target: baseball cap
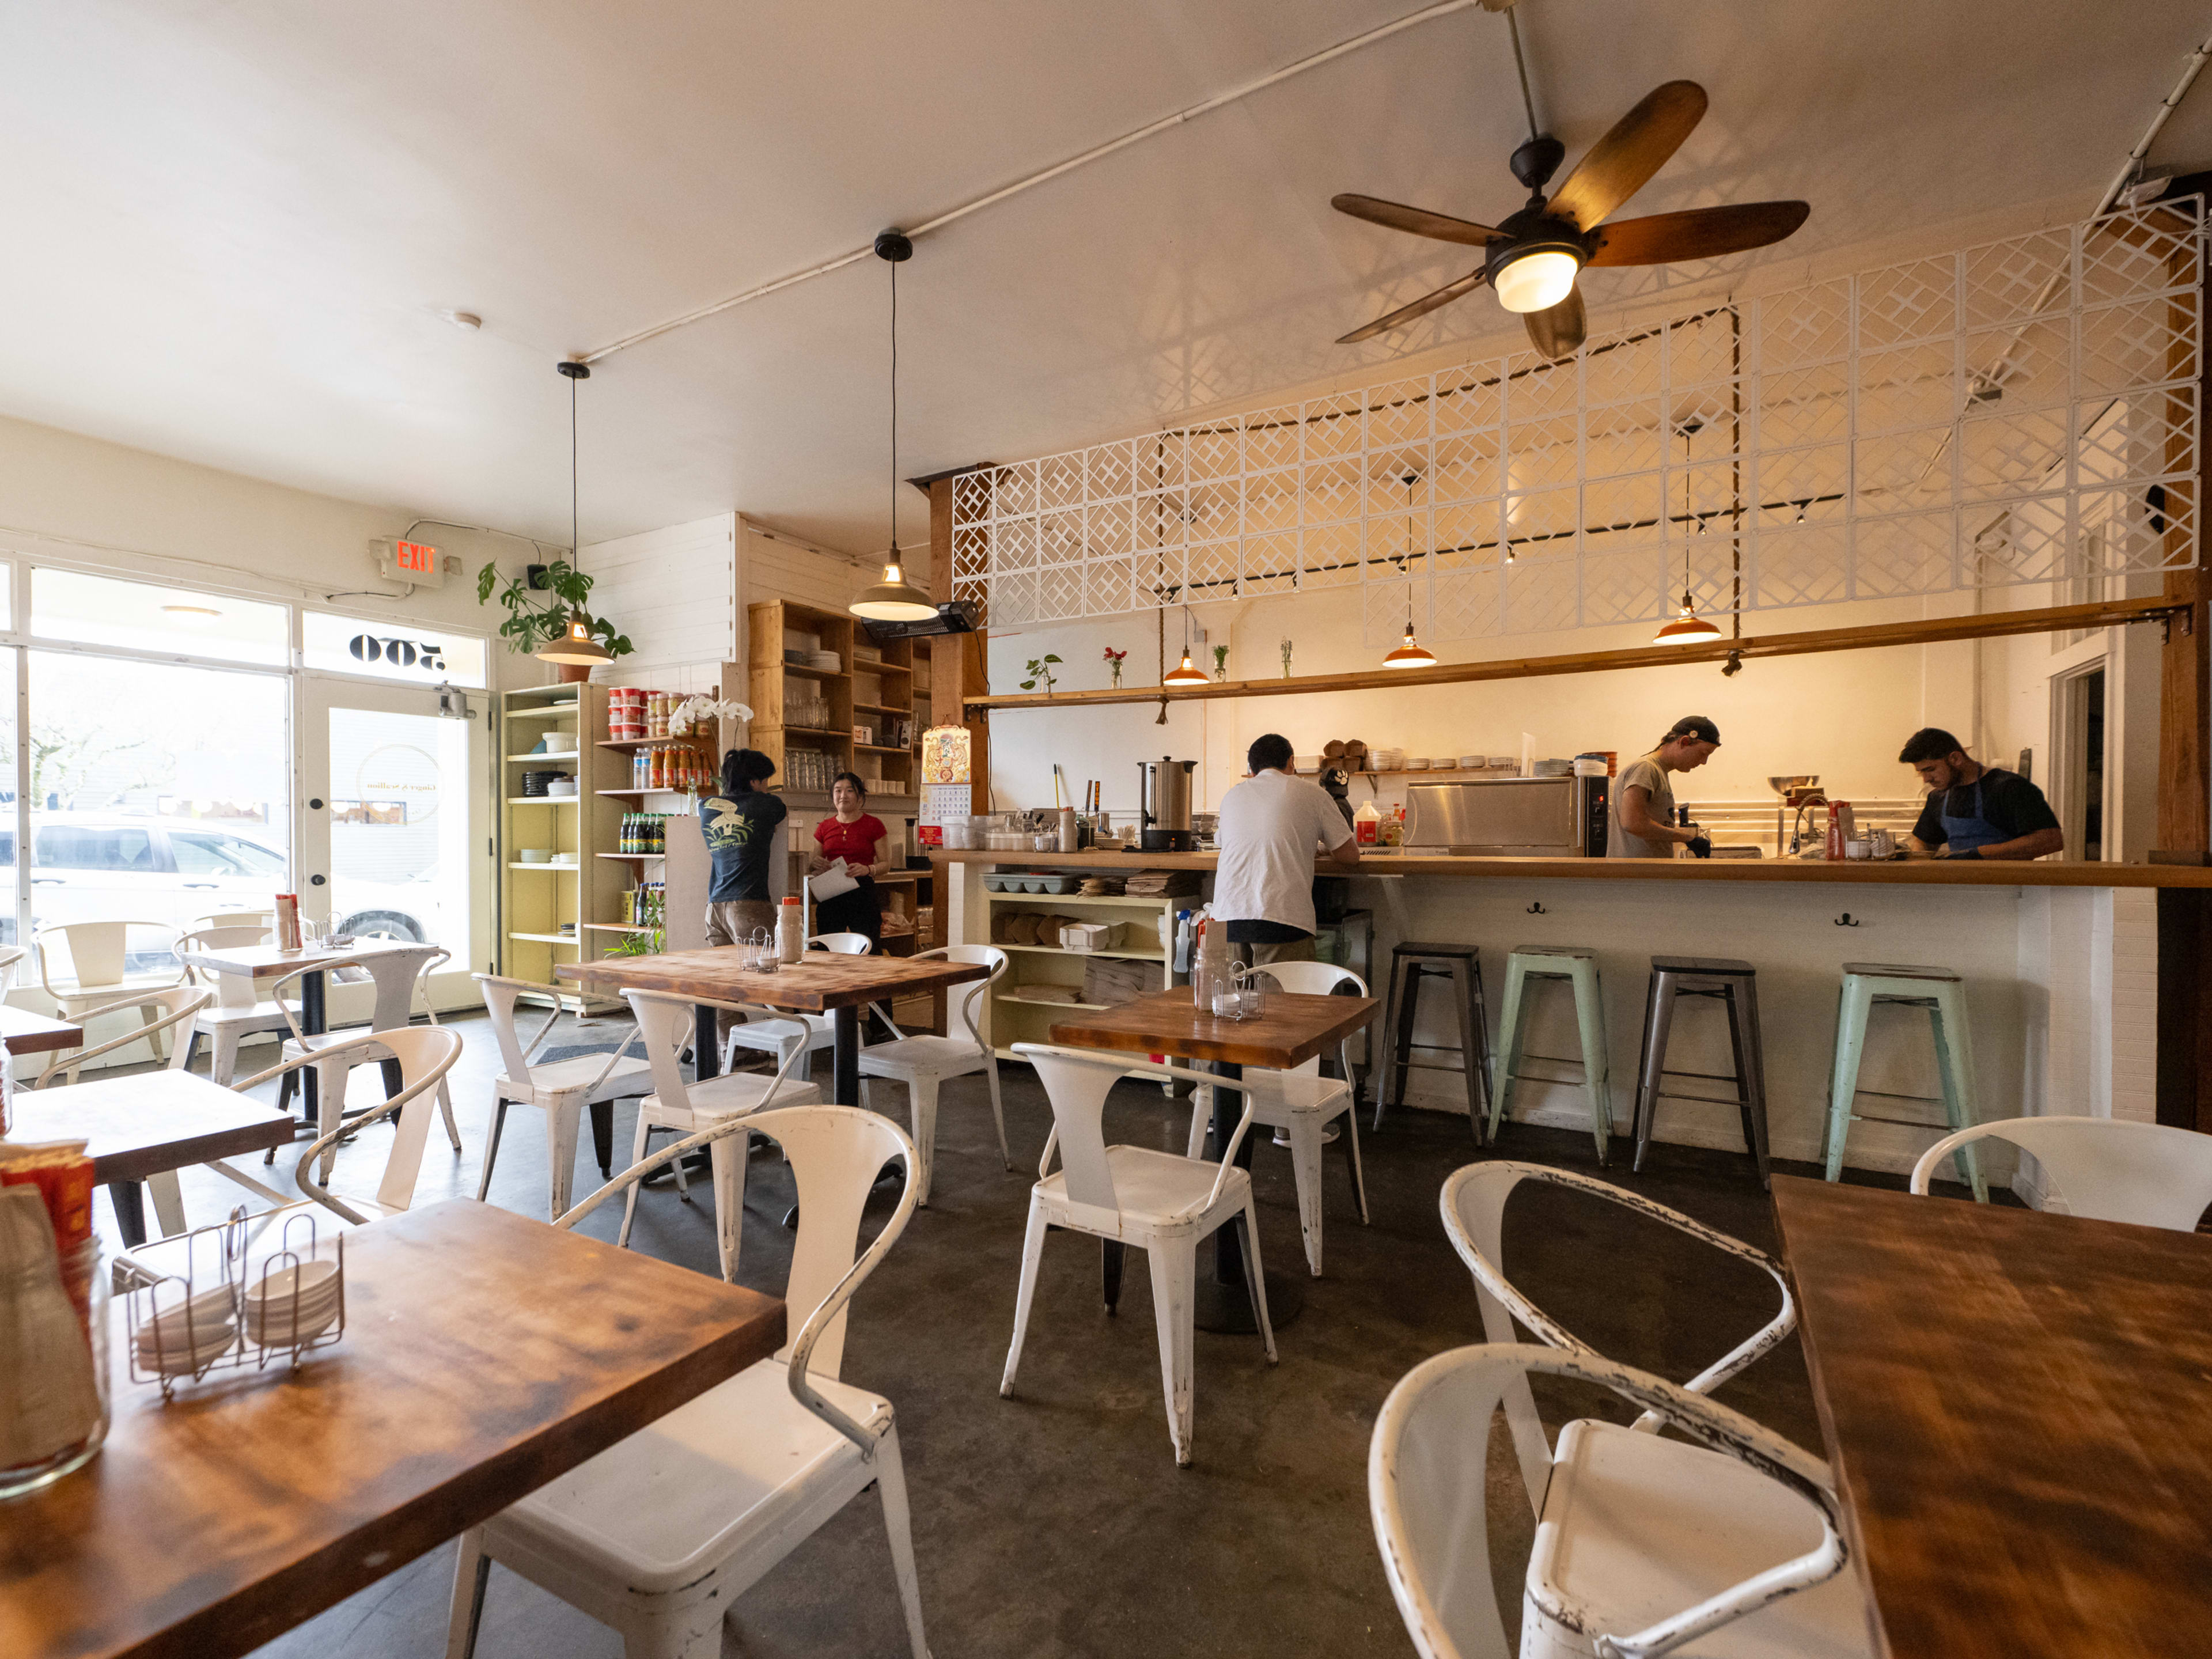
{"points": [[1697, 726]]}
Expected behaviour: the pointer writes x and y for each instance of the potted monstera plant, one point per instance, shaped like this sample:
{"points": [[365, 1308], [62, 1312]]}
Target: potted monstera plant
{"points": [[542, 605]]}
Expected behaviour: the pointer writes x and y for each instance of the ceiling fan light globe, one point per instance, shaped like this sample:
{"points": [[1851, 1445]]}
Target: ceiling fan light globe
{"points": [[1536, 280]]}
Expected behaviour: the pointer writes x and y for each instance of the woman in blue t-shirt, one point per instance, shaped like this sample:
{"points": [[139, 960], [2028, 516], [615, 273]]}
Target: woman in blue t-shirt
{"points": [[739, 826]]}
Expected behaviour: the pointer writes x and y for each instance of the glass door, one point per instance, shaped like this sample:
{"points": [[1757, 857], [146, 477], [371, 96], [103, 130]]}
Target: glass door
{"points": [[398, 820]]}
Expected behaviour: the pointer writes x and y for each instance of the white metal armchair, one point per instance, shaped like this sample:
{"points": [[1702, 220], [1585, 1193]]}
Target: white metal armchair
{"points": [[100, 976], [925, 1062], [2105, 1168], [659, 1535]]}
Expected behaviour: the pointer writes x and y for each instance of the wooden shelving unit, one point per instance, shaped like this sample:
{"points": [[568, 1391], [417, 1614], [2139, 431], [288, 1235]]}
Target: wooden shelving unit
{"points": [[872, 687], [1013, 1020], [546, 908]]}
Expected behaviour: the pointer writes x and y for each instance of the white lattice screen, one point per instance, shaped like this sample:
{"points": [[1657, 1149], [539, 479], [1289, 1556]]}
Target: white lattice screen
{"points": [[2021, 411]]}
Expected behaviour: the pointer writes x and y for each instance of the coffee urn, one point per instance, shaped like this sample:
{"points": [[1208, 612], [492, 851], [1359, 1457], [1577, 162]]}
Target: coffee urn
{"points": [[1164, 790]]}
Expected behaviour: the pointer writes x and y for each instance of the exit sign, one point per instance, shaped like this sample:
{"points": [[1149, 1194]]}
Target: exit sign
{"points": [[402, 561]]}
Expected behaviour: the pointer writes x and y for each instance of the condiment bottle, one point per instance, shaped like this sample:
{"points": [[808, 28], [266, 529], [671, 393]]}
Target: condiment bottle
{"points": [[790, 931], [1835, 847], [1366, 824]]}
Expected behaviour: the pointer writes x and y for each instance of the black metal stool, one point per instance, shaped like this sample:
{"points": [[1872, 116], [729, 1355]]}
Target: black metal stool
{"points": [[1412, 962], [1734, 984]]}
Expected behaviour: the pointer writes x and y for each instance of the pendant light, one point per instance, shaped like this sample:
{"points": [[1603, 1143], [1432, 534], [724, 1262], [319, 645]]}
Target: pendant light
{"points": [[1185, 673], [1688, 628], [575, 648], [1410, 654], [894, 598]]}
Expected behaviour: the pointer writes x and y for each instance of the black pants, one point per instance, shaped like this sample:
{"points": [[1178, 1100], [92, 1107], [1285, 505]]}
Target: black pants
{"points": [[856, 912]]}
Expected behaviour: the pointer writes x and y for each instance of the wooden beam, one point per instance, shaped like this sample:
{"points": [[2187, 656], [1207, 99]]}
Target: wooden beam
{"points": [[1937, 631]]}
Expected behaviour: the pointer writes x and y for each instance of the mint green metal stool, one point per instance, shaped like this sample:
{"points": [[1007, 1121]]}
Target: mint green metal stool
{"points": [[1943, 993], [1533, 964]]}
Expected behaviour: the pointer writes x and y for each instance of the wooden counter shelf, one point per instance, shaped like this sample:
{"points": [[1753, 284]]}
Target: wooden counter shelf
{"points": [[1915, 873]]}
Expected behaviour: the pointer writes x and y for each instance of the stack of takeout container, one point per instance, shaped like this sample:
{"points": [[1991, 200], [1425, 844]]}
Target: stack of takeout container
{"points": [[626, 715]]}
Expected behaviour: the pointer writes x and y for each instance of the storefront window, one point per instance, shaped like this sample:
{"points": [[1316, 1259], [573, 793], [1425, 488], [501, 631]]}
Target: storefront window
{"points": [[69, 604], [390, 651]]}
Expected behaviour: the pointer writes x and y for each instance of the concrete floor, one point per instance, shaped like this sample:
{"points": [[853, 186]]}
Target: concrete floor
{"points": [[1057, 1523]]}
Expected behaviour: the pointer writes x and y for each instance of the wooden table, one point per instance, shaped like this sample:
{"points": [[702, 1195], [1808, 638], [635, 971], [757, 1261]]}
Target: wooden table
{"points": [[146, 1125], [485, 1355], [261, 962], [26, 1033], [1292, 1031], [822, 982], [2019, 1409]]}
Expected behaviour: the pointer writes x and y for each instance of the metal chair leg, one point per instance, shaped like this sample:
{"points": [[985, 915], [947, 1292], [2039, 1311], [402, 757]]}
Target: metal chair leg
{"points": [[1658, 1025]]}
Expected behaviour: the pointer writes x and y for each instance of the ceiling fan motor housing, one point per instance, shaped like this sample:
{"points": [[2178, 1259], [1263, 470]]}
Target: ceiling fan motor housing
{"points": [[1535, 161]]}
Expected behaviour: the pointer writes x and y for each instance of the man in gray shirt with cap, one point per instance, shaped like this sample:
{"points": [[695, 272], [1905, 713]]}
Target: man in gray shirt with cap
{"points": [[1643, 809]]}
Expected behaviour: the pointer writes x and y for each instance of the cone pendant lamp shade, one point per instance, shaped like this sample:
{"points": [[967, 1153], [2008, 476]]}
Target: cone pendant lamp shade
{"points": [[1688, 628], [1411, 654], [575, 645]]}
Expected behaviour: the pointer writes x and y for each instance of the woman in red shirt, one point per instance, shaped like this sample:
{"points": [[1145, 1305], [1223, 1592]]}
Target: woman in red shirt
{"points": [[857, 837]]}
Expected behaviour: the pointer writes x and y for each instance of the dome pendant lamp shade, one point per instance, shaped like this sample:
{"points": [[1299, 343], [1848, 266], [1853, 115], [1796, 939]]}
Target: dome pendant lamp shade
{"points": [[1689, 628], [1410, 654], [575, 645], [894, 598], [1185, 672]]}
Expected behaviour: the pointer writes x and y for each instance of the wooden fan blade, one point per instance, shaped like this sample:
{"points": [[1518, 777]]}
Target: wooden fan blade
{"points": [[1420, 307], [1559, 331], [1398, 216], [1698, 234], [1620, 163]]}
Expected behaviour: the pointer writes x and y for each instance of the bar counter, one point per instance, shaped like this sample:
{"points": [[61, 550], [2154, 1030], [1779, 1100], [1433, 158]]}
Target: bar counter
{"points": [[1902, 873], [2079, 976]]}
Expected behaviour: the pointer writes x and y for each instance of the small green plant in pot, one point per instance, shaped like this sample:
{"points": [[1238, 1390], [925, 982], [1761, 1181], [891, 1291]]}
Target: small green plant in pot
{"points": [[533, 621], [1039, 669]]}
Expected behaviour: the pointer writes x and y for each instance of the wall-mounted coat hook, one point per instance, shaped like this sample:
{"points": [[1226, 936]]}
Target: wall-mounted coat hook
{"points": [[1845, 920], [1538, 910]]}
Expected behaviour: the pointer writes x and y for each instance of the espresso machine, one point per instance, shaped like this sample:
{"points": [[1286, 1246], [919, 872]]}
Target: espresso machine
{"points": [[1163, 795]]}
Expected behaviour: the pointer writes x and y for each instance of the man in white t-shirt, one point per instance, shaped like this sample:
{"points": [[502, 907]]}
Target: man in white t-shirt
{"points": [[1269, 828]]}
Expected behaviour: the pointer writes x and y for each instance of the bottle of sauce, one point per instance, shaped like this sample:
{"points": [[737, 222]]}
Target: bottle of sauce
{"points": [[790, 931], [1367, 825]]}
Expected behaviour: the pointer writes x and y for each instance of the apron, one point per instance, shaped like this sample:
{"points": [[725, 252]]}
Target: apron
{"points": [[1964, 834]]}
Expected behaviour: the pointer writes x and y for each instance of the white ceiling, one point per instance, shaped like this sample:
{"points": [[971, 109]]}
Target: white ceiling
{"points": [[231, 224]]}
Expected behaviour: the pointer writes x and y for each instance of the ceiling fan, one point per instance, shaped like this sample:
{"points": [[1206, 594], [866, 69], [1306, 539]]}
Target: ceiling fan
{"points": [[1533, 257]]}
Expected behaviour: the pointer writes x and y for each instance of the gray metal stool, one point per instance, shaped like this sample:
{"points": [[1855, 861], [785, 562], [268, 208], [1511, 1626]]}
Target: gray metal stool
{"points": [[1734, 984], [1412, 961]]}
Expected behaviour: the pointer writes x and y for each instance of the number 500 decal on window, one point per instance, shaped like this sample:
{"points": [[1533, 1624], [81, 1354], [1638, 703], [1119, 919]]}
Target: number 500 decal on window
{"points": [[355, 645]]}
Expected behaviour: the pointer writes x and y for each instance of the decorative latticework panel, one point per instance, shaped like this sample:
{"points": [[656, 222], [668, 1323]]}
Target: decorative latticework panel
{"points": [[2021, 411]]}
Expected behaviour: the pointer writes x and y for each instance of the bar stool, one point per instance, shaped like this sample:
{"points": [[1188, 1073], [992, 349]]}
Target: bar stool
{"points": [[1535, 964], [1734, 985], [1412, 961], [1943, 993]]}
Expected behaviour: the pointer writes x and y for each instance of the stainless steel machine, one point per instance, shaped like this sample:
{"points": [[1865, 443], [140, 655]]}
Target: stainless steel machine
{"points": [[1508, 817], [1163, 795]]}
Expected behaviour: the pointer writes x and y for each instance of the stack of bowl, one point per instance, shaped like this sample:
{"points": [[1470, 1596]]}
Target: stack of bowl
{"points": [[288, 1306]]}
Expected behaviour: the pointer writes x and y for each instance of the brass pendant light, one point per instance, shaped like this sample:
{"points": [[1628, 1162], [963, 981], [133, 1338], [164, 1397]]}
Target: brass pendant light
{"points": [[1688, 628], [1410, 654], [576, 647], [894, 598], [1185, 673]]}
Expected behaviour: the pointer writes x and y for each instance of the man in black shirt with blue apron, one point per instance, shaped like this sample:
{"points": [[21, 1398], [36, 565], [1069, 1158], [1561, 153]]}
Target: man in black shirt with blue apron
{"points": [[1977, 811]]}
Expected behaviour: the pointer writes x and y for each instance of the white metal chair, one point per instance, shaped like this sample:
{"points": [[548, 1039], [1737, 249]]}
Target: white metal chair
{"points": [[399, 975], [1161, 1204], [1626, 1561], [425, 1054], [99, 952], [663, 1021], [9, 955], [781, 1031], [561, 1089], [1302, 1105], [264, 920], [237, 1012], [2105, 1168], [659, 1535], [179, 1005], [922, 1063]]}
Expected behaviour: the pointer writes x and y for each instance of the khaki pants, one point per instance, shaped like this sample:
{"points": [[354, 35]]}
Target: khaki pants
{"points": [[1259, 956], [726, 923]]}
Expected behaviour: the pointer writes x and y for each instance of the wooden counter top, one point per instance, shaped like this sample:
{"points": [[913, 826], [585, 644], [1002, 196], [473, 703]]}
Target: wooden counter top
{"points": [[1914, 872]]}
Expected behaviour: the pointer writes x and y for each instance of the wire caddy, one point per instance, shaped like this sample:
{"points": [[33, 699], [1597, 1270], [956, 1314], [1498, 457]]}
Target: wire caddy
{"points": [[224, 1313]]}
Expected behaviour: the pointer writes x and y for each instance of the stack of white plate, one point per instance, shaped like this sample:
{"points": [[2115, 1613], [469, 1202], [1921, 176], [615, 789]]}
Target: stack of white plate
{"points": [[1503, 764], [1418, 764], [289, 1305], [1386, 760], [1472, 762], [181, 1338], [827, 660]]}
